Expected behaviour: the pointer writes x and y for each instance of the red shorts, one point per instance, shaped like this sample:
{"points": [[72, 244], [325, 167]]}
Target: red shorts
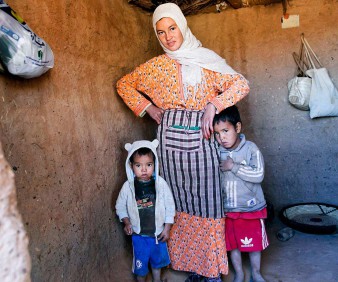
{"points": [[245, 231]]}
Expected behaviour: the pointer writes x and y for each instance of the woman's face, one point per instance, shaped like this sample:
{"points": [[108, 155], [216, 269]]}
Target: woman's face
{"points": [[169, 34]]}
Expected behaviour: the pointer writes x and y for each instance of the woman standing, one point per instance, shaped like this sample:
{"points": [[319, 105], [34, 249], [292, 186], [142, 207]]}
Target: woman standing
{"points": [[187, 86]]}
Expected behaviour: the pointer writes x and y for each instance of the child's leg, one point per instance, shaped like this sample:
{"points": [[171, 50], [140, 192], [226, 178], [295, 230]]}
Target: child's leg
{"points": [[159, 258], [156, 274], [141, 278], [255, 261], [141, 257], [236, 259]]}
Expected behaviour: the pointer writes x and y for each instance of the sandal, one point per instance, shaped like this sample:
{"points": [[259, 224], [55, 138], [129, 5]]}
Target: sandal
{"points": [[213, 279], [194, 277]]}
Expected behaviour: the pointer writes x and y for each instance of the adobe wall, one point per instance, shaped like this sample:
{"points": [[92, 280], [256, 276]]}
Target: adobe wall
{"points": [[63, 133]]}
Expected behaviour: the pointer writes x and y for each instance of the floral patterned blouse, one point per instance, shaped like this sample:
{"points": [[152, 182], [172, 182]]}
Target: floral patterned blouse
{"points": [[159, 79]]}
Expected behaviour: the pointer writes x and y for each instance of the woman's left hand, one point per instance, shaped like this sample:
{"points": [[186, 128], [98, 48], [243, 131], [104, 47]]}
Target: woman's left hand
{"points": [[208, 117]]}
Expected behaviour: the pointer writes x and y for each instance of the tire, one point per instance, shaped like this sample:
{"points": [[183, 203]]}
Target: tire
{"points": [[313, 218]]}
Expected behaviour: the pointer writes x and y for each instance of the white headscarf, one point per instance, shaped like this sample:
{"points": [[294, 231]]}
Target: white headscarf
{"points": [[191, 55]]}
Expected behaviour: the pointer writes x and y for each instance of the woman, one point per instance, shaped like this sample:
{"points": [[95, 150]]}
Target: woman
{"points": [[187, 86]]}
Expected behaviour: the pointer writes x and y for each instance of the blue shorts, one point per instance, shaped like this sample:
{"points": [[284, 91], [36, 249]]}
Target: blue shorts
{"points": [[147, 251]]}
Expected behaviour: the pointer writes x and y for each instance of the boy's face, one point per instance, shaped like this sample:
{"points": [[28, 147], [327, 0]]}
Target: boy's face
{"points": [[227, 135], [143, 167]]}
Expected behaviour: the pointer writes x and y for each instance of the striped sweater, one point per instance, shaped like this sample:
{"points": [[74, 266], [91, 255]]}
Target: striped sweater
{"points": [[241, 187]]}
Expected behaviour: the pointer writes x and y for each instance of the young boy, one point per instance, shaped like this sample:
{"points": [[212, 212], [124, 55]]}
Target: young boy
{"points": [[146, 206], [242, 169]]}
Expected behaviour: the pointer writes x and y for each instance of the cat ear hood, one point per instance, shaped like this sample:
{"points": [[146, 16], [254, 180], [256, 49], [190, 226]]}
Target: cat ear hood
{"points": [[132, 147], [140, 144]]}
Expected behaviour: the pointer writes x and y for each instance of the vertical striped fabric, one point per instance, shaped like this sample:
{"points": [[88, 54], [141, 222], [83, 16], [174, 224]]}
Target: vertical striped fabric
{"points": [[189, 163], [265, 241]]}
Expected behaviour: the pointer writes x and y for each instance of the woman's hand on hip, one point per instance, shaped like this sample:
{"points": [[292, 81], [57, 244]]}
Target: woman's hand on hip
{"points": [[208, 117], [155, 113]]}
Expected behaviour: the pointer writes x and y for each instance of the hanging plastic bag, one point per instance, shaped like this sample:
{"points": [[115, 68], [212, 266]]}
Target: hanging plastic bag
{"points": [[299, 92], [324, 94], [299, 87], [22, 52]]}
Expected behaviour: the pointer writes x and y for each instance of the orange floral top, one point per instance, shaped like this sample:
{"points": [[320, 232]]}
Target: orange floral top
{"points": [[160, 80]]}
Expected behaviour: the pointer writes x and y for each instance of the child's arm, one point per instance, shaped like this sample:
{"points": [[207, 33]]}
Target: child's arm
{"points": [[253, 171], [227, 164], [128, 229], [169, 204], [122, 210], [169, 210]]}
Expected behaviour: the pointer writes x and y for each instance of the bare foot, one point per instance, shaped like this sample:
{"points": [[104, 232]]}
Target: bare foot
{"points": [[239, 277], [257, 277]]}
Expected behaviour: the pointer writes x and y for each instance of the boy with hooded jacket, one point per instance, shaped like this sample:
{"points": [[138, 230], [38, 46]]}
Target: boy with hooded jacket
{"points": [[146, 206]]}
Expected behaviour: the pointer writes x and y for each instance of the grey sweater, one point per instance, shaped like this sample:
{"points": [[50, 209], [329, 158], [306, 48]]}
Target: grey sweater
{"points": [[242, 191]]}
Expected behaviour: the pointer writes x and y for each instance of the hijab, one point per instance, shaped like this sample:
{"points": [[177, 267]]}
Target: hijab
{"points": [[191, 55]]}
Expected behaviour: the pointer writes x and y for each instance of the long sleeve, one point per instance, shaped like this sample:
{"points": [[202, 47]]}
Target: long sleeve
{"points": [[169, 204], [233, 88], [128, 88], [252, 172], [121, 204], [159, 79]]}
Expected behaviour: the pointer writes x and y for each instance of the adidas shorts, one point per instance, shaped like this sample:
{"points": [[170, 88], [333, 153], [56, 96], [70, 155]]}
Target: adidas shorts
{"points": [[245, 233], [146, 252]]}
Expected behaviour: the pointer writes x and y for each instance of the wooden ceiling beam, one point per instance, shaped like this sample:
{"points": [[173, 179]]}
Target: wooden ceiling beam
{"points": [[236, 4], [194, 6]]}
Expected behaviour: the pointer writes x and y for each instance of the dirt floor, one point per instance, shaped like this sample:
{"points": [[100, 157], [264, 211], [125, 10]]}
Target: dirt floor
{"points": [[303, 258]]}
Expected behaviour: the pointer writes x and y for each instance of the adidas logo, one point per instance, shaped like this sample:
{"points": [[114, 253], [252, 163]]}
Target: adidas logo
{"points": [[246, 242]]}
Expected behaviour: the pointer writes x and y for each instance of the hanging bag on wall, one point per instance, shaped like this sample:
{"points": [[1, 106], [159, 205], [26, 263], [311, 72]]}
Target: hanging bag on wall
{"points": [[300, 86], [324, 94], [22, 52]]}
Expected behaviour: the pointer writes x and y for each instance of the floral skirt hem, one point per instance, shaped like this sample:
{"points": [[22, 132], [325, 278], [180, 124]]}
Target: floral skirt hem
{"points": [[197, 245]]}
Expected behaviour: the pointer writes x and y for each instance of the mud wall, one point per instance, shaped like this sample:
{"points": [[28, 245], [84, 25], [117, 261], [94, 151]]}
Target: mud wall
{"points": [[63, 133]]}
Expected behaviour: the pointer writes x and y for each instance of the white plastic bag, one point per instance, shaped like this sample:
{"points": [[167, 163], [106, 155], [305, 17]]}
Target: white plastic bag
{"points": [[324, 95], [22, 52], [299, 92], [299, 87]]}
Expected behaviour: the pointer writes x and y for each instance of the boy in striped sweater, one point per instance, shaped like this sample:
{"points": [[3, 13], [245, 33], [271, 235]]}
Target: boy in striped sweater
{"points": [[242, 167]]}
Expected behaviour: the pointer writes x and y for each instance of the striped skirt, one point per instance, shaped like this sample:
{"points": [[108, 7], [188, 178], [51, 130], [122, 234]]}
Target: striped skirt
{"points": [[190, 164]]}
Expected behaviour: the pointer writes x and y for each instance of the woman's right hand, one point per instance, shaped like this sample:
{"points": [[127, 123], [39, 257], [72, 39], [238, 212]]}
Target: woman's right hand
{"points": [[155, 113], [207, 119]]}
